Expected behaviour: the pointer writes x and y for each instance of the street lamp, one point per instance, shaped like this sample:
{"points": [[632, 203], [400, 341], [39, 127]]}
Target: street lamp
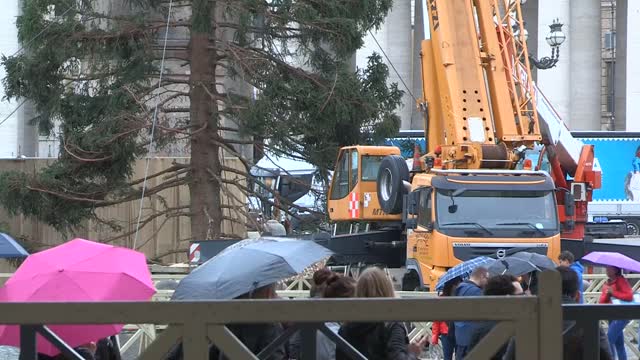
{"points": [[525, 33], [555, 38]]}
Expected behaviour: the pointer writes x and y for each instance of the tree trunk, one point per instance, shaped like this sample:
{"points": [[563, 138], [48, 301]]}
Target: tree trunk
{"points": [[204, 189]]}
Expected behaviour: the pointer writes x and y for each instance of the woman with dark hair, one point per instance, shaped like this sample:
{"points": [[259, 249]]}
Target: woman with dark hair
{"points": [[318, 285], [379, 341], [616, 287], [337, 286], [320, 277], [444, 331]]}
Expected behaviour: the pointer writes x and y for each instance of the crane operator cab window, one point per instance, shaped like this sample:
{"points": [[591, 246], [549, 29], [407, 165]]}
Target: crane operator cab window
{"points": [[346, 174], [354, 169]]}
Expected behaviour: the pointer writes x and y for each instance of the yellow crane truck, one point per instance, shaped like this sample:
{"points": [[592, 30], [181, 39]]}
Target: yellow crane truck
{"points": [[480, 190]]}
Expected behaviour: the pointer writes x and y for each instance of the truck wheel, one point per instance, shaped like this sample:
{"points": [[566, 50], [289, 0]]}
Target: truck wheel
{"points": [[633, 227], [391, 176], [410, 281]]}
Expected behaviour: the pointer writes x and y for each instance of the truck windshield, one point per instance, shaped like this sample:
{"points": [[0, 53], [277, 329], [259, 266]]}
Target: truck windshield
{"points": [[497, 213]]}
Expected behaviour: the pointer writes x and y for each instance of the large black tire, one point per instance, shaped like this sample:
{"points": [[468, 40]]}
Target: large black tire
{"points": [[392, 174], [633, 227]]}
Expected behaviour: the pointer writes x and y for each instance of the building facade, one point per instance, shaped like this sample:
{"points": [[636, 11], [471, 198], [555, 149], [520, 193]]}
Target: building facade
{"points": [[594, 86], [17, 137]]}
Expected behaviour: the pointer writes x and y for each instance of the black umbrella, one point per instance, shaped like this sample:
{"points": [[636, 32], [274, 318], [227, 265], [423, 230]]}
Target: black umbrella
{"points": [[512, 266], [247, 266], [541, 261]]}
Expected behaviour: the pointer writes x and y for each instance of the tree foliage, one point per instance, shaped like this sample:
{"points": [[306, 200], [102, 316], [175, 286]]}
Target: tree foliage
{"points": [[92, 69]]}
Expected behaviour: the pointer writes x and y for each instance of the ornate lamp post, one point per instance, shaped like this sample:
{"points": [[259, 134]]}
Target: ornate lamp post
{"points": [[555, 38]]}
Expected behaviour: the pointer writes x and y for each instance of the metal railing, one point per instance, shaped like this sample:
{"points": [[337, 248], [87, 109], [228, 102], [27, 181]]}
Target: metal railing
{"points": [[144, 334], [534, 322]]}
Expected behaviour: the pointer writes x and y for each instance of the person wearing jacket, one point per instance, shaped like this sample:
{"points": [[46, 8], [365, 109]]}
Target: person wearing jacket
{"points": [[107, 349], [256, 337], [616, 287], [499, 285], [336, 286], [573, 336], [567, 259], [378, 341], [319, 282], [464, 330], [445, 331], [440, 331]]}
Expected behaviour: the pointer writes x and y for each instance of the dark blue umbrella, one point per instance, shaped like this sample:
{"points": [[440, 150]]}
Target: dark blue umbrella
{"points": [[9, 248], [463, 270], [512, 266], [248, 266], [541, 261]]}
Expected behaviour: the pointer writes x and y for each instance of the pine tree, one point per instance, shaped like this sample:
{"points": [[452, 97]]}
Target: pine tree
{"points": [[94, 68]]}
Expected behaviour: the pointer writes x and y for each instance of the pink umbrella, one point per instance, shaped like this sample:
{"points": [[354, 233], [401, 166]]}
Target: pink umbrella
{"points": [[77, 271]]}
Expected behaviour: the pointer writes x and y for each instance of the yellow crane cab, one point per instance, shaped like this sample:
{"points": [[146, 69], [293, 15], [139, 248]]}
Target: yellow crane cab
{"points": [[353, 194]]}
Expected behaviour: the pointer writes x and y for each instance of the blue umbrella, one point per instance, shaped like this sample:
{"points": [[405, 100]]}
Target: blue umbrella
{"points": [[9, 248], [248, 266], [463, 270]]}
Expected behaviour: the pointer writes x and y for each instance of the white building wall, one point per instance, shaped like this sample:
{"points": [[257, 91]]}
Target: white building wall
{"points": [[8, 46], [632, 44], [555, 83]]}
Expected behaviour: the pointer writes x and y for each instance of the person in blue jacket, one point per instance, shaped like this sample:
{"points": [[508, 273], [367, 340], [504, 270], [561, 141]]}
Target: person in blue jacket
{"points": [[567, 259], [465, 330]]}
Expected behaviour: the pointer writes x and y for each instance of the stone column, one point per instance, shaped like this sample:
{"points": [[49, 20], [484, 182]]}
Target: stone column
{"points": [[556, 82], [530, 15], [394, 37], [417, 122], [627, 71], [585, 64]]}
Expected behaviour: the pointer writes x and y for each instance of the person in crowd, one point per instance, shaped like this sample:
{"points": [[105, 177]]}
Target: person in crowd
{"points": [[378, 341], [573, 337], [107, 349], [318, 285], [320, 277], [567, 259], [445, 331], [255, 337], [500, 285], [337, 286], [464, 329], [86, 351], [616, 287], [529, 283]]}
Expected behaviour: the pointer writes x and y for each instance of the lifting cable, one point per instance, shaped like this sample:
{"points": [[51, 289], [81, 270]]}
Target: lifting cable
{"points": [[153, 128], [393, 67]]}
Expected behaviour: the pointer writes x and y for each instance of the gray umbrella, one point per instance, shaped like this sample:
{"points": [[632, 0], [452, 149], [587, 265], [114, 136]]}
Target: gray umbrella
{"points": [[512, 266], [541, 261], [249, 266]]}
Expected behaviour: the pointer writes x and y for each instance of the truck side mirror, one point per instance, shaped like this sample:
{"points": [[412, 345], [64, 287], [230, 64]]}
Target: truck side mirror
{"points": [[569, 204], [413, 201], [409, 215]]}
